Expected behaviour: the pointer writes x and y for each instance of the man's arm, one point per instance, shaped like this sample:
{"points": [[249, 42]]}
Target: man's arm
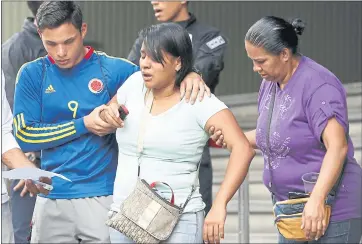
{"points": [[134, 55], [30, 132], [209, 59]]}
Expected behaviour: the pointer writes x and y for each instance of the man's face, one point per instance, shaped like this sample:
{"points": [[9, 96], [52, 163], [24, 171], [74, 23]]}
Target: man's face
{"points": [[167, 11], [64, 44]]}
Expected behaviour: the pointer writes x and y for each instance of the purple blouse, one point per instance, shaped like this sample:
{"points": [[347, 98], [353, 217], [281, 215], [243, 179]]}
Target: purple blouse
{"points": [[312, 96]]}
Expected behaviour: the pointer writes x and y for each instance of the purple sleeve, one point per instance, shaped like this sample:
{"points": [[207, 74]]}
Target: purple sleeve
{"points": [[325, 103]]}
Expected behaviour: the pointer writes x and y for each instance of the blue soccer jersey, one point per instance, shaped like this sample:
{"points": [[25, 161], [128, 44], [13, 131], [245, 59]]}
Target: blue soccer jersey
{"points": [[49, 107]]}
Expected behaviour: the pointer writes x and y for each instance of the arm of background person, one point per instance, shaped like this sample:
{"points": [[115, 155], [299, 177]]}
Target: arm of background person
{"points": [[11, 155], [209, 59]]}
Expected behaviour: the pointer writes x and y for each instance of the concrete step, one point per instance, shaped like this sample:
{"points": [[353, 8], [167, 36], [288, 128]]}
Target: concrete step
{"points": [[355, 131], [247, 114], [255, 177], [259, 200], [257, 192], [253, 238], [258, 223], [237, 100]]}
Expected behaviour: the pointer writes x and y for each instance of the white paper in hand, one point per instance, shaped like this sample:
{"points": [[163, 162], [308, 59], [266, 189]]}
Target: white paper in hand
{"points": [[30, 173]]}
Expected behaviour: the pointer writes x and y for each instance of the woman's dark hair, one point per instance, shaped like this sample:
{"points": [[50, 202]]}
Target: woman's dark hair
{"points": [[52, 14], [170, 38], [274, 34]]}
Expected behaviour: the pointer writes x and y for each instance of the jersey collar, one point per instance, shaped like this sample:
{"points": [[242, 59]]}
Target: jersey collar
{"points": [[86, 56]]}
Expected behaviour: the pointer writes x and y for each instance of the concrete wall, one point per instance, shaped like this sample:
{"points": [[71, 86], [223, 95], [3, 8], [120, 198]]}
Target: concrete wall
{"points": [[333, 35]]}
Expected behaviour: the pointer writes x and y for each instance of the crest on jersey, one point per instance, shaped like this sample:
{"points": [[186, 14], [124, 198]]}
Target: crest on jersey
{"points": [[95, 85]]}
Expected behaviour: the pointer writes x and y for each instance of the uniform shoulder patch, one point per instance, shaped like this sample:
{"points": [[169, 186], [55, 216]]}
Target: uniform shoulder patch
{"points": [[214, 43]]}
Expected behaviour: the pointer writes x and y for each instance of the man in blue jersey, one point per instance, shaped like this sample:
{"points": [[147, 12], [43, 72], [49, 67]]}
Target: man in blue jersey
{"points": [[58, 99]]}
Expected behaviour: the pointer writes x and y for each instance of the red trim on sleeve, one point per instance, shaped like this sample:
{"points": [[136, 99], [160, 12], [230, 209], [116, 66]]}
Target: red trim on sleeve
{"points": [[51, 59], [89, 53]]}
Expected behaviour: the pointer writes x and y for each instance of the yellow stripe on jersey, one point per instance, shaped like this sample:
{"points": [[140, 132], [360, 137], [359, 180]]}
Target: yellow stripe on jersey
{"points": [[45, 140], [50, 128], [60, 129], [46, 134]]}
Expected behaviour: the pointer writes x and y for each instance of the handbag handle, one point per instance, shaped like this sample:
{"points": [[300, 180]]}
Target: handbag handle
{"points": [[153, 185], [333, 191]]}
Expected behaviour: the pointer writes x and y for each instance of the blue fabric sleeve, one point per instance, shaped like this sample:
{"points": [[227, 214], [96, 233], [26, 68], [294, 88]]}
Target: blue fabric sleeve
{"points": [[118, 70], [30, 132]]}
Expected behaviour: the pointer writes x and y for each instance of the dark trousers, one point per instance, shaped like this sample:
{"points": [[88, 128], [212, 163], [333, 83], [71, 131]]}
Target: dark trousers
{"points": [[205, 178], [22, 212]]}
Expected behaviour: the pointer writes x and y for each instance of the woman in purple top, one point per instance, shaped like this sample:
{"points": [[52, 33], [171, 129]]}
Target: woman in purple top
{"points": [[308, 130]]}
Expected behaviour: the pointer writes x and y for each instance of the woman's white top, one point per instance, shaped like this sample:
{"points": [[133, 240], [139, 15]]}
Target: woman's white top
{"points": [[173, 144]]}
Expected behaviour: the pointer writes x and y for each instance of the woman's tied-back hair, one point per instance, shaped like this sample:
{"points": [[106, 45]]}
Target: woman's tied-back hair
{"points": [[172, 39], [52, 14], [274, 34]]}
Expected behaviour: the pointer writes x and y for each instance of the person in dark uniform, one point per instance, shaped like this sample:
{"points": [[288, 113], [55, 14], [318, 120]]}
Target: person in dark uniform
{"points": [[209, 47], [20, 48]]}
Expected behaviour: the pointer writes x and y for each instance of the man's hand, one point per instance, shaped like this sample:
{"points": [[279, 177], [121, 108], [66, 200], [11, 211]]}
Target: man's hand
{"points": [[33, 189], [110, 115], [31, 156], [96, 125], [217, 137], [192, 86], [21, 184]]}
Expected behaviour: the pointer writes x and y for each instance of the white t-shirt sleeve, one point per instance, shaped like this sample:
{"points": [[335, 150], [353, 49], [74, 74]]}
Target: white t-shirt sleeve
{"points": [[132, 84], [8, 139], [208, 107]]}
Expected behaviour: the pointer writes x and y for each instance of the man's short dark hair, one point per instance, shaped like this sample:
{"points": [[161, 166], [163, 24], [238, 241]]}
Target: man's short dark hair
{"points": [[52, 14], [173, 39], [34, 6]]}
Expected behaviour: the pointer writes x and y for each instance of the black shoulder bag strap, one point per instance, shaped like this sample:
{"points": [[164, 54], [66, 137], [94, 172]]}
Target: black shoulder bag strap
{"points": [[270, 115]]}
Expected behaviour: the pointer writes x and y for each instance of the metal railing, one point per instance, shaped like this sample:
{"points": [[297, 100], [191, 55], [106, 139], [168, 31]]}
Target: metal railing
{"points": [[243, 212]]}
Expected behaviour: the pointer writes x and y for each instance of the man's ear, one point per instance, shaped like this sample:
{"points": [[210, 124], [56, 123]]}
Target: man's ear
{"points": [[83, 30]]}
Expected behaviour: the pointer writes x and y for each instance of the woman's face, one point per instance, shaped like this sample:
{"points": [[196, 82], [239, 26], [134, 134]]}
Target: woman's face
{"points": [[270, 67], [157, 75]]}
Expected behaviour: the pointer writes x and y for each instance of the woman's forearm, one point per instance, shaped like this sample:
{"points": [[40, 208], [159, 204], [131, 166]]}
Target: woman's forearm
{"points": [[236, 172], [330, 171], [251, 136]]}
